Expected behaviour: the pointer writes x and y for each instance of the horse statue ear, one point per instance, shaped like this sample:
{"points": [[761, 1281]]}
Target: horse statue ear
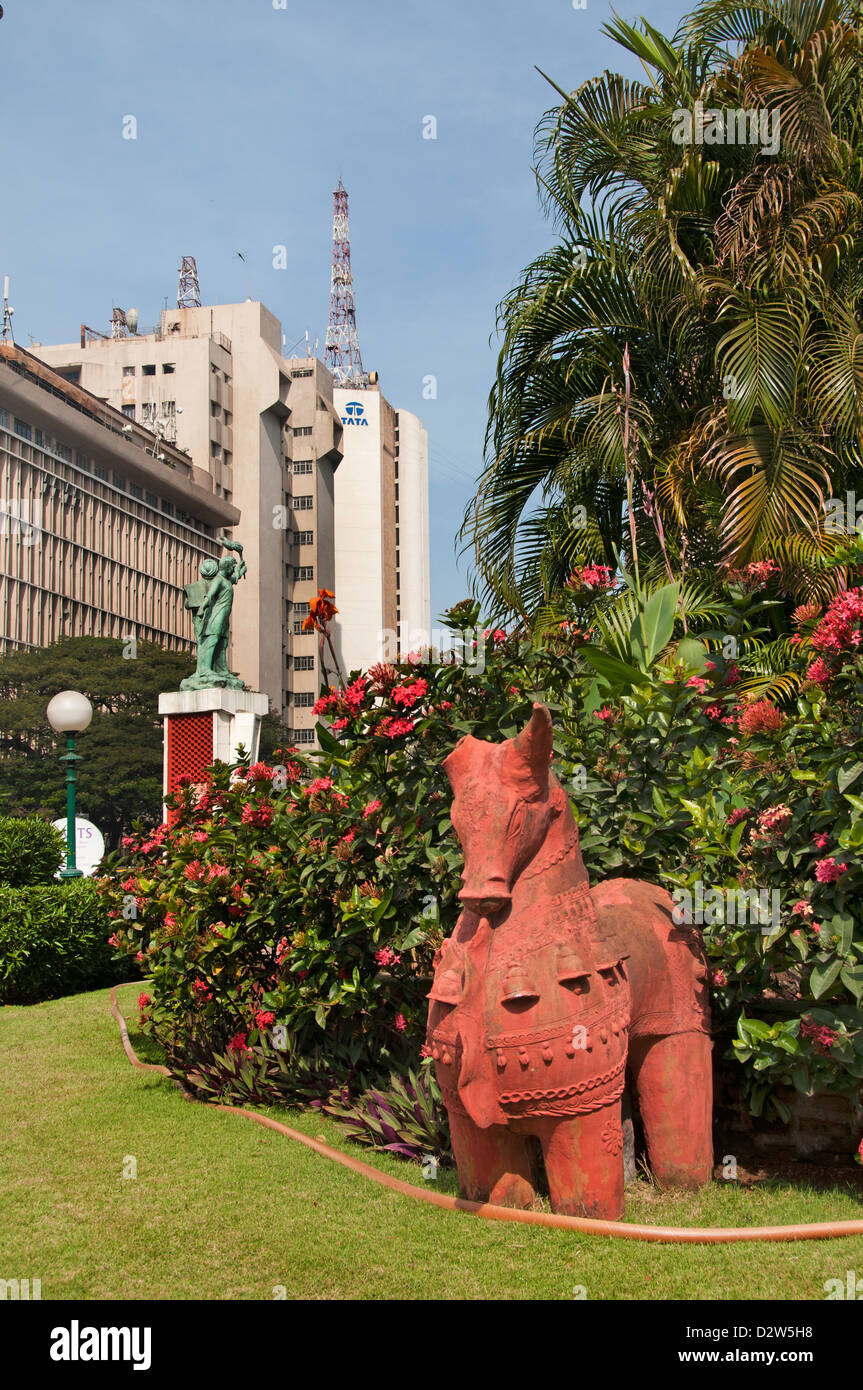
{"points": [[534, 744]]}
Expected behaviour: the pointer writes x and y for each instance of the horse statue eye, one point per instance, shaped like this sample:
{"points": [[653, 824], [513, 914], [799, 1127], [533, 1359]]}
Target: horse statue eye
{"points": [[517, 818]]}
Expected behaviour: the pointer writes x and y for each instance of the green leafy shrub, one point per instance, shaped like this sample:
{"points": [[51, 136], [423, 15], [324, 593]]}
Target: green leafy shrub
{"points": [[53, 941], [31, 850]]}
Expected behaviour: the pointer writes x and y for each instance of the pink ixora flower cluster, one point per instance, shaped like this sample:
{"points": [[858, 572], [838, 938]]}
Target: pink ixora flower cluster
{"points": [[841, 628], [260, 772], [774, 819], [260, 815], [594, 578], [820, 673], [829, 871], [347, 702], [385, 955], [818, 1034], [753, 576], [737, 816]]}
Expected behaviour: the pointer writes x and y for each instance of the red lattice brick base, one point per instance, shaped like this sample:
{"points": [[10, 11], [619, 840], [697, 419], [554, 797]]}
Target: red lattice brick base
{"points": [[189, 748]]}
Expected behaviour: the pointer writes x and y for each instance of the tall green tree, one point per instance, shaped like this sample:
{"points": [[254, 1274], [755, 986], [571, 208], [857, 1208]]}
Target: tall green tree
{"points": [[120, 774], [681, 375]]}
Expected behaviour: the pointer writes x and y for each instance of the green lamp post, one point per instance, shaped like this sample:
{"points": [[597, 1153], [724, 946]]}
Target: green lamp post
{"points": [[69, 713]]}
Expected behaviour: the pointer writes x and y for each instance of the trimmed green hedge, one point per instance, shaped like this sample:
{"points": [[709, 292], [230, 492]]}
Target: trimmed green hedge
{"points": [[31, 850], [54, 941]]}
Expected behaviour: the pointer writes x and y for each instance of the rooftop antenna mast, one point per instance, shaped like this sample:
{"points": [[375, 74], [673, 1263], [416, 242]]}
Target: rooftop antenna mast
{"points": [[6, 332], [342, 349], [189, 292]]}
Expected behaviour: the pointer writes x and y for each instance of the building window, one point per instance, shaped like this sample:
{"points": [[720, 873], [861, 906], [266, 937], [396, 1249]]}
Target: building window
{"points": [[303, 735], [302, 572], [303, 466], [4, 419], [304, 663], [303, 371], [23, 429], [148, 411], [151, 499], [304, 537], [303, 430], [100, 471], [167, 508], [129, 412], [149, 369], [304, 503], [298, 629], [170, 409], [304, 699], [128, 371], [168, 368], [136, 491]]}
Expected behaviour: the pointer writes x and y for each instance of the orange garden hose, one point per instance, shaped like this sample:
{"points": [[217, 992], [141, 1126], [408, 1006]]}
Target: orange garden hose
{"points": [[673, 1235]]}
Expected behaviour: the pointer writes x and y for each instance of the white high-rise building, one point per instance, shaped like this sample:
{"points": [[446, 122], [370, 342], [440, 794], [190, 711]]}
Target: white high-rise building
{"points": [[381, 529]]}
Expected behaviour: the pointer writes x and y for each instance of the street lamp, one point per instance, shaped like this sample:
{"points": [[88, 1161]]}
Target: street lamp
{"points": [[69, 713]]}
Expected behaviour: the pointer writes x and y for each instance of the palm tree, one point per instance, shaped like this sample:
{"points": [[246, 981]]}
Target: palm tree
{"points": [[681, 375]]}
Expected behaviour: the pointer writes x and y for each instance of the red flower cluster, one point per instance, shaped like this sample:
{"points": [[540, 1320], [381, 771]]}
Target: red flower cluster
{"points": [[263, 1020], [239, 1043], [773, 819], [829, 871], [257, 815], [394, 728], [407, 695], [753, 576], [594, 578], [841, 628], [201, 990], [737, 816], [820, 673], [386, 956], [760, 718], [819, 1034], [259, 772]]}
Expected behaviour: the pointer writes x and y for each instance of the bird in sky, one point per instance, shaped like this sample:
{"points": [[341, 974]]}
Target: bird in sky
{"points": [[240, 254]]}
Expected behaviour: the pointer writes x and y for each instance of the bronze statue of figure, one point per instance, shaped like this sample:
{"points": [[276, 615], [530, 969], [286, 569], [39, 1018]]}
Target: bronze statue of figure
{"points": [[210, 600]]}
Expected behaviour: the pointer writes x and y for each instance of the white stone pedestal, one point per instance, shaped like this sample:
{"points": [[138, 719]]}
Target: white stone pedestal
{"points": [[201, 726]]}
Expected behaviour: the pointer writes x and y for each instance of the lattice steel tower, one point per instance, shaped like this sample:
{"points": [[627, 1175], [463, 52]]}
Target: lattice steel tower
{"points": [[189, 292], [342, 352]]}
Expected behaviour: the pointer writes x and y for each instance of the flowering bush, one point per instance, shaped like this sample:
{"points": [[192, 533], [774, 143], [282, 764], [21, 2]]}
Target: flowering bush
{"points": [[309, 896]]}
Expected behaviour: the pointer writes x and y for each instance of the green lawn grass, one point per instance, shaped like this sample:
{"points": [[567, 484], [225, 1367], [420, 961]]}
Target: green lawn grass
{"points": [[222, 1209]]}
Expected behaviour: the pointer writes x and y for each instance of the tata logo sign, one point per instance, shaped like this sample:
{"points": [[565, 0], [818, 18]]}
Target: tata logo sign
{"points": [[355, 414]]}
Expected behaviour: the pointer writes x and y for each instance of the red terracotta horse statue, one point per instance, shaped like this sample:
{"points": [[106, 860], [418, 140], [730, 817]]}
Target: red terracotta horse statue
{"points": [[548, 990]]}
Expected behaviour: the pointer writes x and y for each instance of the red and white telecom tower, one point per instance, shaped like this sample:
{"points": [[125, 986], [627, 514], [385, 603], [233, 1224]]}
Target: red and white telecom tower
{"points": [[342, 352]]}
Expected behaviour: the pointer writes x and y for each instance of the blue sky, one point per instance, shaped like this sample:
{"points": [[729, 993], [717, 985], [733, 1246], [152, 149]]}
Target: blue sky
{"points": [[246, 116]]}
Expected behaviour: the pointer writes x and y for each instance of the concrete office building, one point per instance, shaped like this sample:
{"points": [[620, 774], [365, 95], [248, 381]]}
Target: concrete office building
{"points": [[101, 525], [382, 529], [213, 381]]}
